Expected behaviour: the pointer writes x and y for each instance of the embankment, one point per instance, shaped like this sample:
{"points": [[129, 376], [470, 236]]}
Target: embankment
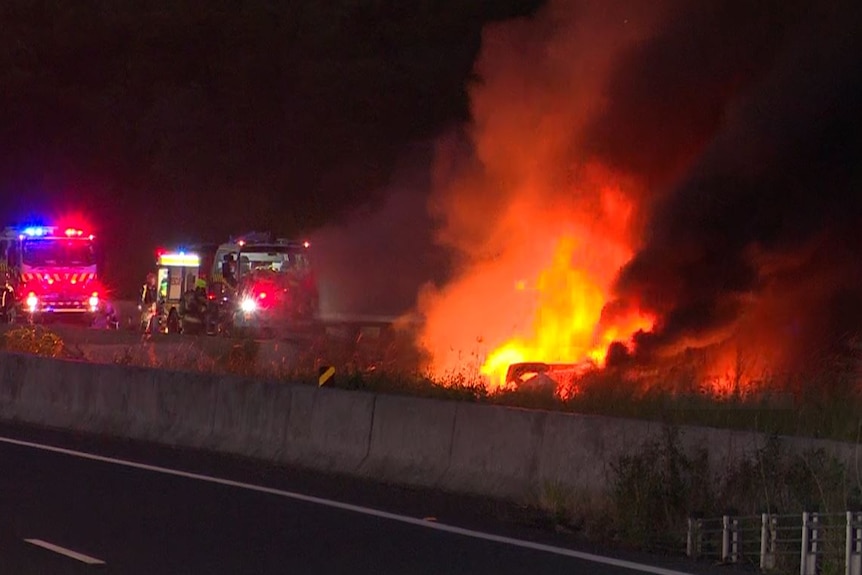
{"points": [[458, 446]]}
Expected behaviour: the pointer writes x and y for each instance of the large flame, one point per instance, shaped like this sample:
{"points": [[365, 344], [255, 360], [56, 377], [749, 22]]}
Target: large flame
{"points": [[541, 296], [569, 295], [541, 227], [614, 181]]}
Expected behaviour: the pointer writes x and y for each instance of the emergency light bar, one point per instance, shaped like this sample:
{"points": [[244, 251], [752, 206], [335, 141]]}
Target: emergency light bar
{"points": [[180, 259], [38, 231], [52, 232]]}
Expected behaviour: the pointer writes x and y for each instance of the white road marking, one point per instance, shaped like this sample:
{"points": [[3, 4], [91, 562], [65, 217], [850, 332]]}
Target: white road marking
{"points": [[642, 567], [67, 552]]}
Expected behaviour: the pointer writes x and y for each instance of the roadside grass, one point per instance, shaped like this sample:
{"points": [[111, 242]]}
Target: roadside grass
{"points": [[35, 340], [824, 403], [660, 484]]}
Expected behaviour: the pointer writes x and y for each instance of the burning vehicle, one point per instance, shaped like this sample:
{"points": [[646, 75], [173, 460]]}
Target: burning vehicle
{"points": [[621, 199]]}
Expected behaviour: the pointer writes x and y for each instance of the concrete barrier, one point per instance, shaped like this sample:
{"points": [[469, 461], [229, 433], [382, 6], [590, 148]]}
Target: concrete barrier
{"points": [[577, 450], [336, 434], [495, 450], [469, 448], [251, 417], [411, 441]]}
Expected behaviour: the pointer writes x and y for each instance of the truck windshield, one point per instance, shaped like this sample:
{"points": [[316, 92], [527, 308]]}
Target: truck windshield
{"points": [[58, 253], [273, 259]]}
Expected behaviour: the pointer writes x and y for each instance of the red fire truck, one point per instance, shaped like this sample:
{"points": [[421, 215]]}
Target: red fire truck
{"points": [[48, 273], [267, 284], [251, 285]]}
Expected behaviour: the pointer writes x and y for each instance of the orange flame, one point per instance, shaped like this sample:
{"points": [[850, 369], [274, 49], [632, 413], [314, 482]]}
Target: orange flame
{"points": [[566, 325], [553, 316], [540, 226]]}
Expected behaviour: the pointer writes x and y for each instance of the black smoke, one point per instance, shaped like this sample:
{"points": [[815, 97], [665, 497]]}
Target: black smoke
{"points": [[746, 120]]}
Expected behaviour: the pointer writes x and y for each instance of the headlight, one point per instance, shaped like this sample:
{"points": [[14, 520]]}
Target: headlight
{"points": [[93, 301], [32, 301], [248, 305]]}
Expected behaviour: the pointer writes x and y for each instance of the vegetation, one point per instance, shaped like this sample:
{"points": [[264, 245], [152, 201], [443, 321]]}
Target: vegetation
{"points": [[657, 487], [824, 405], [33, 339]]}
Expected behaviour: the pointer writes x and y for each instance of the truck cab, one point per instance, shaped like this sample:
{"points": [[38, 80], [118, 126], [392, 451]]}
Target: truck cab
{"points": [[49, 273], [268, 284]]}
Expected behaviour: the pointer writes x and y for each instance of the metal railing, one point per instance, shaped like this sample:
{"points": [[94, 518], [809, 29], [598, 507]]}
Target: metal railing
{"points": [[773, 541]]}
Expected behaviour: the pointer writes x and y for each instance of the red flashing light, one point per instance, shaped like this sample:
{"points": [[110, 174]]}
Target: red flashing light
{"points": [[262, 295]]}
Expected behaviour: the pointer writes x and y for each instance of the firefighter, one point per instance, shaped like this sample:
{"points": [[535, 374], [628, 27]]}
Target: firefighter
{"points": [[147, 305], [193, 307], [228, 270], [7, 293], [7, 298]]}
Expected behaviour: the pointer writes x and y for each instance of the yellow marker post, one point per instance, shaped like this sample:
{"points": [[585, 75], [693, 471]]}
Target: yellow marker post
{"points": [[325, 375]]}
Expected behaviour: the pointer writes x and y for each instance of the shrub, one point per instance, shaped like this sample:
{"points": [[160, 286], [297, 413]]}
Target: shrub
{"points": [[35, 340], [654, 490]]}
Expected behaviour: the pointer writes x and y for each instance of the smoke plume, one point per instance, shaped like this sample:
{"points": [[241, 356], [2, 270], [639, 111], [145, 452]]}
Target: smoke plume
{"points": [[374, 262], [668, 175]]}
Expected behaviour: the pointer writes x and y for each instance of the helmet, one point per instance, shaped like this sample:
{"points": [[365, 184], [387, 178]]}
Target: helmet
{"points": [[200, 283]]}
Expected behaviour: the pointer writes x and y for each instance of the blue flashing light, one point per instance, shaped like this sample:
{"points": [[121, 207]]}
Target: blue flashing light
{"points": [[36, 231]]}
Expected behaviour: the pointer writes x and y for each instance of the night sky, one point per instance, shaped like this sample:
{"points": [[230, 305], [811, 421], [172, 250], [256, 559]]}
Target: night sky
{"points": [[175, 121]]}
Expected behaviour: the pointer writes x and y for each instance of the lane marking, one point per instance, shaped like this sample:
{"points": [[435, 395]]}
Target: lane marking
{"points": [[67, 552], [632, 565]]}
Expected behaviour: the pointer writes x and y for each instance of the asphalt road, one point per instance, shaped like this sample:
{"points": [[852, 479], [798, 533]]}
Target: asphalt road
{"points": [[121, 507]]}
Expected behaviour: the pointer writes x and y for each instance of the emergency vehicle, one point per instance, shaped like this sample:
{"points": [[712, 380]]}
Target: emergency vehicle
{"points": [[49, 272], [263, 286], [176, 276]]}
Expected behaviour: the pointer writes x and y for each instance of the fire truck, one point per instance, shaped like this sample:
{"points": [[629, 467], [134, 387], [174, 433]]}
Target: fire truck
{"points": [[49, 273], [261, 285], [256, 285], [176, 277]]}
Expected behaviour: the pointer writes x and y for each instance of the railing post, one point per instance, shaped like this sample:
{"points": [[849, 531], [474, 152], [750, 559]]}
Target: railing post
{"points": [[768, 526], [734, 540], [692, 543], [853, 555], [725, 538], [808, 558]]}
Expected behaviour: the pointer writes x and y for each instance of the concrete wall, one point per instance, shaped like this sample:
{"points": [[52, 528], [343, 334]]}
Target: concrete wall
{"points": [[459, 446]]}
